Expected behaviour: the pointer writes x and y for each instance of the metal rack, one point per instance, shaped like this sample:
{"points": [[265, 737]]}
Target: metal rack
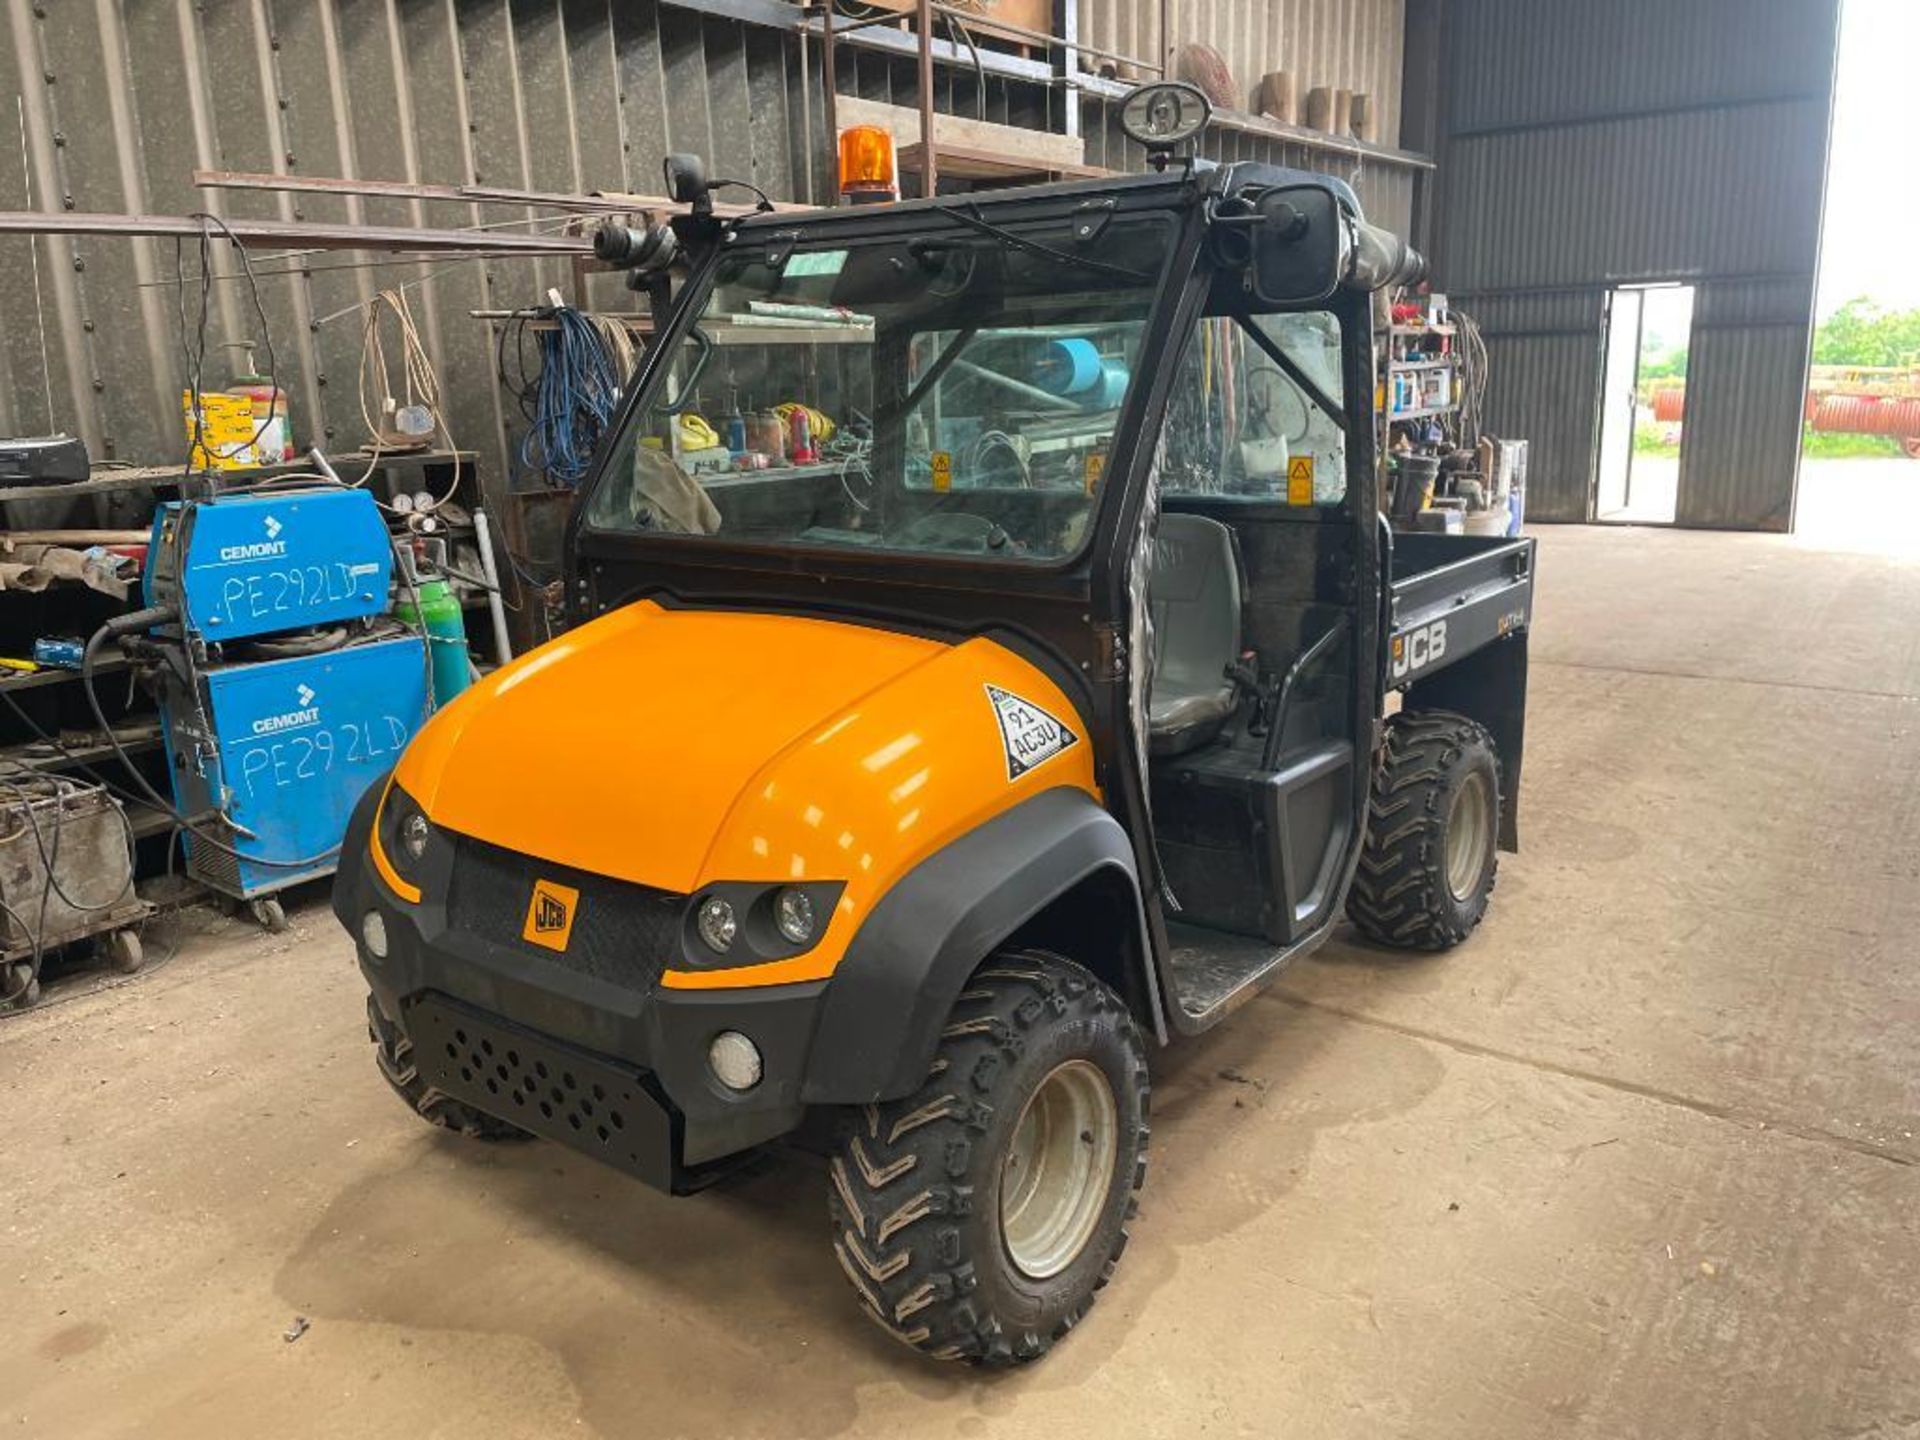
{"points": [[1446, 366]]}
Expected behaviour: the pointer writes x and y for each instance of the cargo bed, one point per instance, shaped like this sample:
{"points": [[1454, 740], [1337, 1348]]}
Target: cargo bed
{"points": [[1450, 595]]}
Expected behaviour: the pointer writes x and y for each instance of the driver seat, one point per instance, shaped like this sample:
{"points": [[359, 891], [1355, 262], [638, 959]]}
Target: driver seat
{"points": [[1193, 593]]}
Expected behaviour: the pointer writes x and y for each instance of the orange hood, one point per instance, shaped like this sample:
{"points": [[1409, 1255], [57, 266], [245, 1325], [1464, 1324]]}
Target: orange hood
{"points": [[674, 748], [620, 747]]}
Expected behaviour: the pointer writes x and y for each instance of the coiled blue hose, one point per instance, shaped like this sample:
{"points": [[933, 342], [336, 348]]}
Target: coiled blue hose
{"points": [[579, 387]]}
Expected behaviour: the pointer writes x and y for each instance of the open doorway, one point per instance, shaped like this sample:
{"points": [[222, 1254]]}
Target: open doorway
{"points": [[1859, 485], [1643, 399]]}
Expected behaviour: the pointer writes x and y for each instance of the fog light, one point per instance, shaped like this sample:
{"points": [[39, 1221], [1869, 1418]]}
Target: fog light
{"points": [[373, 930], [735, 1060], [718, 925], [413, 834], [793, 913]]}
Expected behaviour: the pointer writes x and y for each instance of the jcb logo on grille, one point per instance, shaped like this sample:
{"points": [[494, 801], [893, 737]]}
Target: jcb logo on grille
{"points": [[550, 915]]}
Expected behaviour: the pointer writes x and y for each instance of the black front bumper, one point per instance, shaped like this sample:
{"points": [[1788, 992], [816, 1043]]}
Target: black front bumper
{"points": [[612, 1111], [561, 1049]]}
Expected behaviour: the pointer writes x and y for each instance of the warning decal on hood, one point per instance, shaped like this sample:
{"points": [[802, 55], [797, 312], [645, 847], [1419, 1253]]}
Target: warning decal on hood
{"points": [[1030, 735]]}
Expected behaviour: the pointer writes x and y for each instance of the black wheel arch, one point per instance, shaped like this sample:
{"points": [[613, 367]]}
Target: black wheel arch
{"points": [[1055, 870], [1488, 687]]}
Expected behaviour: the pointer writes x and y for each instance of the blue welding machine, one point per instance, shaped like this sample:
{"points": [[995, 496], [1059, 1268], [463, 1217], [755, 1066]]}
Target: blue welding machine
{"points": [[291, 693], [242, 565]]}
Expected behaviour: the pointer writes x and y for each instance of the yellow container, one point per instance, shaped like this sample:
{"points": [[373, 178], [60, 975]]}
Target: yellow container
{"points": [[227, 427]]}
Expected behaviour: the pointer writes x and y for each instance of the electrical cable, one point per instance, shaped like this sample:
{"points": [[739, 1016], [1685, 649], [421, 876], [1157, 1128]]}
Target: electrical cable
{"points": [[193, 338], [85, 768], [957, 33], [421, 386], [764, 207], [311, 642], [570, 403], [1472, 347]]}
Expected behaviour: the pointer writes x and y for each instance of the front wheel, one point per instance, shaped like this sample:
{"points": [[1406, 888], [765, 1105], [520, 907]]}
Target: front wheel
{"points": [[1427, 868], [978, 1216]]}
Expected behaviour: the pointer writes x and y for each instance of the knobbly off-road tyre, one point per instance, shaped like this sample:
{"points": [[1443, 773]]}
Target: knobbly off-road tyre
{"points": [[1427, 867], [944, 1218]]}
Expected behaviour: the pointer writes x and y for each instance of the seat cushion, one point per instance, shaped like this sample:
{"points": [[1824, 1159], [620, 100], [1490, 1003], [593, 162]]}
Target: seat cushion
{"points": [[1194, 596], [1177, 723]]}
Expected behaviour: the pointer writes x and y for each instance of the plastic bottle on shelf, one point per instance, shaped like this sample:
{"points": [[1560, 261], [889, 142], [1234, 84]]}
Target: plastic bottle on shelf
{"points": [[736, 428], [268, 400], [800, 436]]}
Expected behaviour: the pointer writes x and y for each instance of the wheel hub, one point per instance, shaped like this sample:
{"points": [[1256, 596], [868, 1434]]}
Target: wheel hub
{"points": [[1469, 823], [1058, 1169]]}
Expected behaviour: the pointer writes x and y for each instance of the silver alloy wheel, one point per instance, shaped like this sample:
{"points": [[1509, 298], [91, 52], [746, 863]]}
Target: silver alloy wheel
{"points": [[1059, 1167], [1469, 822]]}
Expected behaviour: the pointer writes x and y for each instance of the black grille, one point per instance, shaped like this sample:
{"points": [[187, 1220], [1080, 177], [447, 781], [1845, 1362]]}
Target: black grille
{"points": [[623, 934], [592, 1102]]}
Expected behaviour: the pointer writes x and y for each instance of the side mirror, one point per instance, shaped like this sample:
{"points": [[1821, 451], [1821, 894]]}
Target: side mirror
{"points": [[687, 181], [1300, 245]]}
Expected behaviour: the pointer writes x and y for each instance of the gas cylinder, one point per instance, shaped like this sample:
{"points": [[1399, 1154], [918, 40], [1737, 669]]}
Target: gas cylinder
{"points": [[441, 619]]}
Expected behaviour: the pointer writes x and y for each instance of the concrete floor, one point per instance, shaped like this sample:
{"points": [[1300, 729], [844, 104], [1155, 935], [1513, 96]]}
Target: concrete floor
{"points": [[1640, 1159], [1862, 503]]}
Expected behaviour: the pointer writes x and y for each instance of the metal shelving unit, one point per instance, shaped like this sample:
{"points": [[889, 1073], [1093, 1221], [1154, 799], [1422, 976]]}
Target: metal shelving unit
{"points": [[1421, 365]]}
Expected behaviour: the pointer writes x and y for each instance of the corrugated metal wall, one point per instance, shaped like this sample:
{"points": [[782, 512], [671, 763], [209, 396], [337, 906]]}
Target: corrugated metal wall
{"points": [[1589, 145], [120, 100], [1385, 184], [1343, 44], [115, 102]]}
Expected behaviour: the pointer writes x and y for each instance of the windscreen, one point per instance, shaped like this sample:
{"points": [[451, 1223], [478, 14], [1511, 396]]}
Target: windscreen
{"points": [[954, 392]]}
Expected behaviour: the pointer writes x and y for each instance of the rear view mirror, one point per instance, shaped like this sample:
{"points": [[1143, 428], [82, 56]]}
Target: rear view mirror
{"points": [[1299, 245]]}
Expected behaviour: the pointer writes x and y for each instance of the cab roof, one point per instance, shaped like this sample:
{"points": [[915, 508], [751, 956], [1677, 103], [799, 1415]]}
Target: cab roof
{"points": [[1175, 187]]}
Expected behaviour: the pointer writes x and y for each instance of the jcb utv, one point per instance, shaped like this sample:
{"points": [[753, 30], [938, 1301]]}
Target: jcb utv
{"points": [[985, 628]]}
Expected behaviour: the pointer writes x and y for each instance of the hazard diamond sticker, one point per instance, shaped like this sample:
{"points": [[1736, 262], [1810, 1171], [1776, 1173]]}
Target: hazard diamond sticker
{"points": [[1029, 734]]}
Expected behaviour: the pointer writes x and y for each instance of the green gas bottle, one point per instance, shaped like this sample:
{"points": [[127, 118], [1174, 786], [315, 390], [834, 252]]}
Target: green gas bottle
{"points": [[440, 616]]}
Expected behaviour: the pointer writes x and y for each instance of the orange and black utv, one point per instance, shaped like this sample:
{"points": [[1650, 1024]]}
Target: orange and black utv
{"points": [[985, 627]]}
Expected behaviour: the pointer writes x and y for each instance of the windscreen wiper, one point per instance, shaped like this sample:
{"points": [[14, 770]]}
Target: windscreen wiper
{"points": [[1034, 247]]}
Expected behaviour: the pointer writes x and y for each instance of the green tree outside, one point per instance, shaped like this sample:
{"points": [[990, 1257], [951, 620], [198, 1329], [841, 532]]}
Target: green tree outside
{"points": [[1860, 332]]}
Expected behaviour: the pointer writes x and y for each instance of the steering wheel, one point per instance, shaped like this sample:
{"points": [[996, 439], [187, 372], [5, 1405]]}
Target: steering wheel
{"points": [[994, 459]]}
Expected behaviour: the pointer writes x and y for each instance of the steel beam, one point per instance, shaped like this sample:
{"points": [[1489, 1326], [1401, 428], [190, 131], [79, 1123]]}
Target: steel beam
{"points": [[294, 233]]}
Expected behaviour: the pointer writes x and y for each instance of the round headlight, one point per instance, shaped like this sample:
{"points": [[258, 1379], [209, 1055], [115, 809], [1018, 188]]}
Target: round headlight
{"points": [[414, 831], [793, 915], [735, 1060], [718, 925], [373, 930]]}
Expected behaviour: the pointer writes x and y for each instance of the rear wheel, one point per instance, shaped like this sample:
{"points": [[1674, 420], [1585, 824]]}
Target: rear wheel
{"points": [[978, 1216], [394, 1052], [1427, 869]]}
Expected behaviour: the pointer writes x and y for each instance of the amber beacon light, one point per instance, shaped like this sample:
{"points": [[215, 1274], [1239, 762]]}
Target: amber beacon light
{"points": [[867, 170]]}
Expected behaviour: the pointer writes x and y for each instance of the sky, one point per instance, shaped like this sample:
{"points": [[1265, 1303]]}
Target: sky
{"points": [[1873, 202]]}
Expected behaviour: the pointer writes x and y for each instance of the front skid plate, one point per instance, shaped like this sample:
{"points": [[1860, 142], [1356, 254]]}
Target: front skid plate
{"points": [[595, 1104]]}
